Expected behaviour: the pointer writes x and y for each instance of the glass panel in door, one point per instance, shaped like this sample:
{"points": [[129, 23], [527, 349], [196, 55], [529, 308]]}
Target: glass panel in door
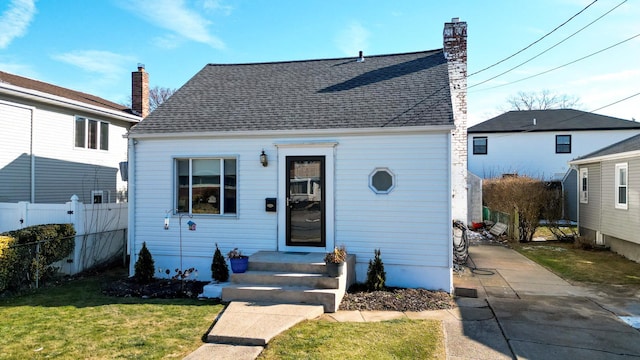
{"points": [[305, 201]]}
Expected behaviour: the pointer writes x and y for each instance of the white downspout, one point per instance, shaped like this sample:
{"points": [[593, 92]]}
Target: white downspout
{"points": [[33, 163], [131, 181]]}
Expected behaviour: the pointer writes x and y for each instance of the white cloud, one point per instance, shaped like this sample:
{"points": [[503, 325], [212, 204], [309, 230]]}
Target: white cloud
{"points": [[217, 5], [353, 39], [105, 63], [173, 15], [15, 20]]}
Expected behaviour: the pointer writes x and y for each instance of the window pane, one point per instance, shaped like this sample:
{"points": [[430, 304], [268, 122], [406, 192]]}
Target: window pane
{"points": [[622, 195], [93, 134], [623, 176], [104, 136], [205, 192], [80, 138], [584, 184], [480, 145], [382, 181], [563, 144], [230, 175], [182, 181]]}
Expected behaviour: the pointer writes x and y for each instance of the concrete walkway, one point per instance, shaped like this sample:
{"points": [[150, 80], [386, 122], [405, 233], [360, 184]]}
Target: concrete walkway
{"points": [[522, 311]]}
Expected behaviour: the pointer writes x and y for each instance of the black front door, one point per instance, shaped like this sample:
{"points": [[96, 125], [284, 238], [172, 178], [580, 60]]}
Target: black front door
{"points": [[305, 201]]}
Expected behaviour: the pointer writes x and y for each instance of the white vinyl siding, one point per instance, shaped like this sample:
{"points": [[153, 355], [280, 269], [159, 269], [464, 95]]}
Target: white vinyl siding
{"points": [[583, 186], [411, 225], [15, 159], [621, 186], [620, 223]]}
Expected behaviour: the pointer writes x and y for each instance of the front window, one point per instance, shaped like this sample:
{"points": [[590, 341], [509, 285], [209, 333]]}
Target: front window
{"points": [[584, 185], [206, 186], [563, 144], [621, 185], [91, 134], [480, 145]]}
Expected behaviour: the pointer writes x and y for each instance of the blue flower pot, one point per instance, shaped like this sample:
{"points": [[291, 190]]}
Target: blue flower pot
{"points": [[239, 265]]}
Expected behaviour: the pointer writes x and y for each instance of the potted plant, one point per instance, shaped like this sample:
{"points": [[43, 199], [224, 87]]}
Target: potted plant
{"points": [[334, 261], [239, 263]]}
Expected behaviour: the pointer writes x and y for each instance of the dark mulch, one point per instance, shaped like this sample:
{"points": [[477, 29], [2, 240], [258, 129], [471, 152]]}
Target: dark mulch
{"points": [[395, 299], [158, 288]]}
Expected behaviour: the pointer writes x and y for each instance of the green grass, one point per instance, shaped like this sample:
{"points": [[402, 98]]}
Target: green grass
{"points": [[76, 321], [591, 266], [397, 339]]}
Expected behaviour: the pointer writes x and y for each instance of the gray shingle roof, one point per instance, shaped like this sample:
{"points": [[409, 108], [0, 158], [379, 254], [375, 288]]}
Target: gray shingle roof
{"points": [[410, 89], [44, 87], [626, 145], [551, 120]]}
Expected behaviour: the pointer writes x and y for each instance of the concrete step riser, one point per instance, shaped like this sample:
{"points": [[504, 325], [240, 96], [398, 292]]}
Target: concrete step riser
{"points": [[311, 281], [313, 268], [327, 300]]}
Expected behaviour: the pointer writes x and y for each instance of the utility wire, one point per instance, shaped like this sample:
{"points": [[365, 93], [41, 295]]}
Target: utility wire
{"points": [[533, 43], [556, 44], [561, 66]]}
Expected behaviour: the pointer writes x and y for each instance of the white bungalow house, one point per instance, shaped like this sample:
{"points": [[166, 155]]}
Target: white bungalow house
{"points": [[609, 196], [302, 156], [57, 142], [540, 143]]}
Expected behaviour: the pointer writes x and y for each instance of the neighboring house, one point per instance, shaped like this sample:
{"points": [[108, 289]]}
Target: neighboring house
{"points": [[539, 144], [58, 142], [609, 200], [369, 153]]}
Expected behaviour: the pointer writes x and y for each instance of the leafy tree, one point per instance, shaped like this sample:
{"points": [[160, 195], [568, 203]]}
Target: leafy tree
{"points": [[543, 100], [219, 268], [145, 266], [376, 276]]}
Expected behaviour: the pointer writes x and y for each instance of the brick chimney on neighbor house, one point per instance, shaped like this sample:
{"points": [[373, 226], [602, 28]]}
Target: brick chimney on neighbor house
{"points": [[455, 51], [140, 91]]}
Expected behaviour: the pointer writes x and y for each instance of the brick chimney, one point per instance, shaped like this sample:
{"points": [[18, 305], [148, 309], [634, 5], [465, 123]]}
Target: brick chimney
{"points": [[455, 51], [140, 91]]}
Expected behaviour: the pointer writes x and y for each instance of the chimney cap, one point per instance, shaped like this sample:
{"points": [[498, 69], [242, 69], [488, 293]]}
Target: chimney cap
{"points": [[140, 67], [455, 19]]}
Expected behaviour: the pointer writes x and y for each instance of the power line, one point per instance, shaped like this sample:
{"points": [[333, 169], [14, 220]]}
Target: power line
{"points": [[556, 44], [533, 43], [563, 65]]}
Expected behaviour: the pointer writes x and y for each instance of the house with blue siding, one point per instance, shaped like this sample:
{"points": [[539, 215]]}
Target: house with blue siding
{"points": [[299, 157]]}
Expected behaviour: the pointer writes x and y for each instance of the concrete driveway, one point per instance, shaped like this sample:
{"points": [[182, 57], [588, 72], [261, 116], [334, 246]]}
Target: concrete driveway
{"points": [[524, 311]]}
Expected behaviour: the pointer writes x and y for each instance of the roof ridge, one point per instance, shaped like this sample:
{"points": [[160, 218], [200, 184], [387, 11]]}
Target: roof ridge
{"points": [[327, 59]]}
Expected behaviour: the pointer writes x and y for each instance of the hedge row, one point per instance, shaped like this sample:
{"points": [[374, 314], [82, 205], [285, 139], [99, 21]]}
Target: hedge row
{"points": [[19, 263]]}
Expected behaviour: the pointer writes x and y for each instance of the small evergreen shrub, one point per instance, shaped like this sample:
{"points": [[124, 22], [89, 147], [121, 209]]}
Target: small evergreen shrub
{"points": [[145, 266], [219, 268], [376, 276]]}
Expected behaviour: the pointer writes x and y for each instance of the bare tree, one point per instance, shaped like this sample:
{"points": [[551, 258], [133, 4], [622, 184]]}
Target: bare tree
{"points": [[543, 100], [157, 95]]}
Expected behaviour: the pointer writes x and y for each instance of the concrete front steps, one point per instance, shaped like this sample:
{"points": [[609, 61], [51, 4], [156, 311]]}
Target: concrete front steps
{"points": [[290, 278]]}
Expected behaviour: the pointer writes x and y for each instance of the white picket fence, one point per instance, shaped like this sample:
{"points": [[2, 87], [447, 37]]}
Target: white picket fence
{"points": [[101, 229]]}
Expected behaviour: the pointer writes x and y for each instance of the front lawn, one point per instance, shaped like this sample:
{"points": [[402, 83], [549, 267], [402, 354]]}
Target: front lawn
{"points": [[76, 321], [601, 267], [397, 339]]}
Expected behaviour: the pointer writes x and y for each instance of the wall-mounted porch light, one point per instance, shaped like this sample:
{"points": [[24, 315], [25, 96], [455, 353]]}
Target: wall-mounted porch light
{"points": [[263, 159]]}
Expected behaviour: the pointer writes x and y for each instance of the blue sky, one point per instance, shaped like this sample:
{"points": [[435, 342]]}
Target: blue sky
{"points": [[92, 46]]}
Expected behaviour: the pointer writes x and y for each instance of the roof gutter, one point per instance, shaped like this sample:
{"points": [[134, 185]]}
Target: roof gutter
{"points": [[617, 156], [297, 132], [35, 95]]}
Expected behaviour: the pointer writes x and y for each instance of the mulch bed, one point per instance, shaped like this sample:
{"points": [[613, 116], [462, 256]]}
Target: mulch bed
{"points": [[396, 299], [158, 288], [357, 297]]}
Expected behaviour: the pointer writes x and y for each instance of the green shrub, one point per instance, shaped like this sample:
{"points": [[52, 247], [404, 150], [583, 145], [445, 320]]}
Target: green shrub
{"points": [[145, 266], [219, 268], [21, 264], [376, 276]]}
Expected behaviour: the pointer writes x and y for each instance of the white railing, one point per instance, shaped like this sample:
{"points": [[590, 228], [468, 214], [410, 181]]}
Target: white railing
{"points": [[100, 228]]}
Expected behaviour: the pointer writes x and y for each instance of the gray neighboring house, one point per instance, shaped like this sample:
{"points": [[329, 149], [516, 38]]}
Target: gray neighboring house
{"points": [[609, 196], [540, 143], [57, 142], [301, 156]]}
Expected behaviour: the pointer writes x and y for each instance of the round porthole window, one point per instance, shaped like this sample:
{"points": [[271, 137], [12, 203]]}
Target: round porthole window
{"points": [[382, 181]]}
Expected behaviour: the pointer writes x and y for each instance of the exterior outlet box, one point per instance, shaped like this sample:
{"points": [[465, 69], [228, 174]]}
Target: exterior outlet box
{"points": [[270, 205]]}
